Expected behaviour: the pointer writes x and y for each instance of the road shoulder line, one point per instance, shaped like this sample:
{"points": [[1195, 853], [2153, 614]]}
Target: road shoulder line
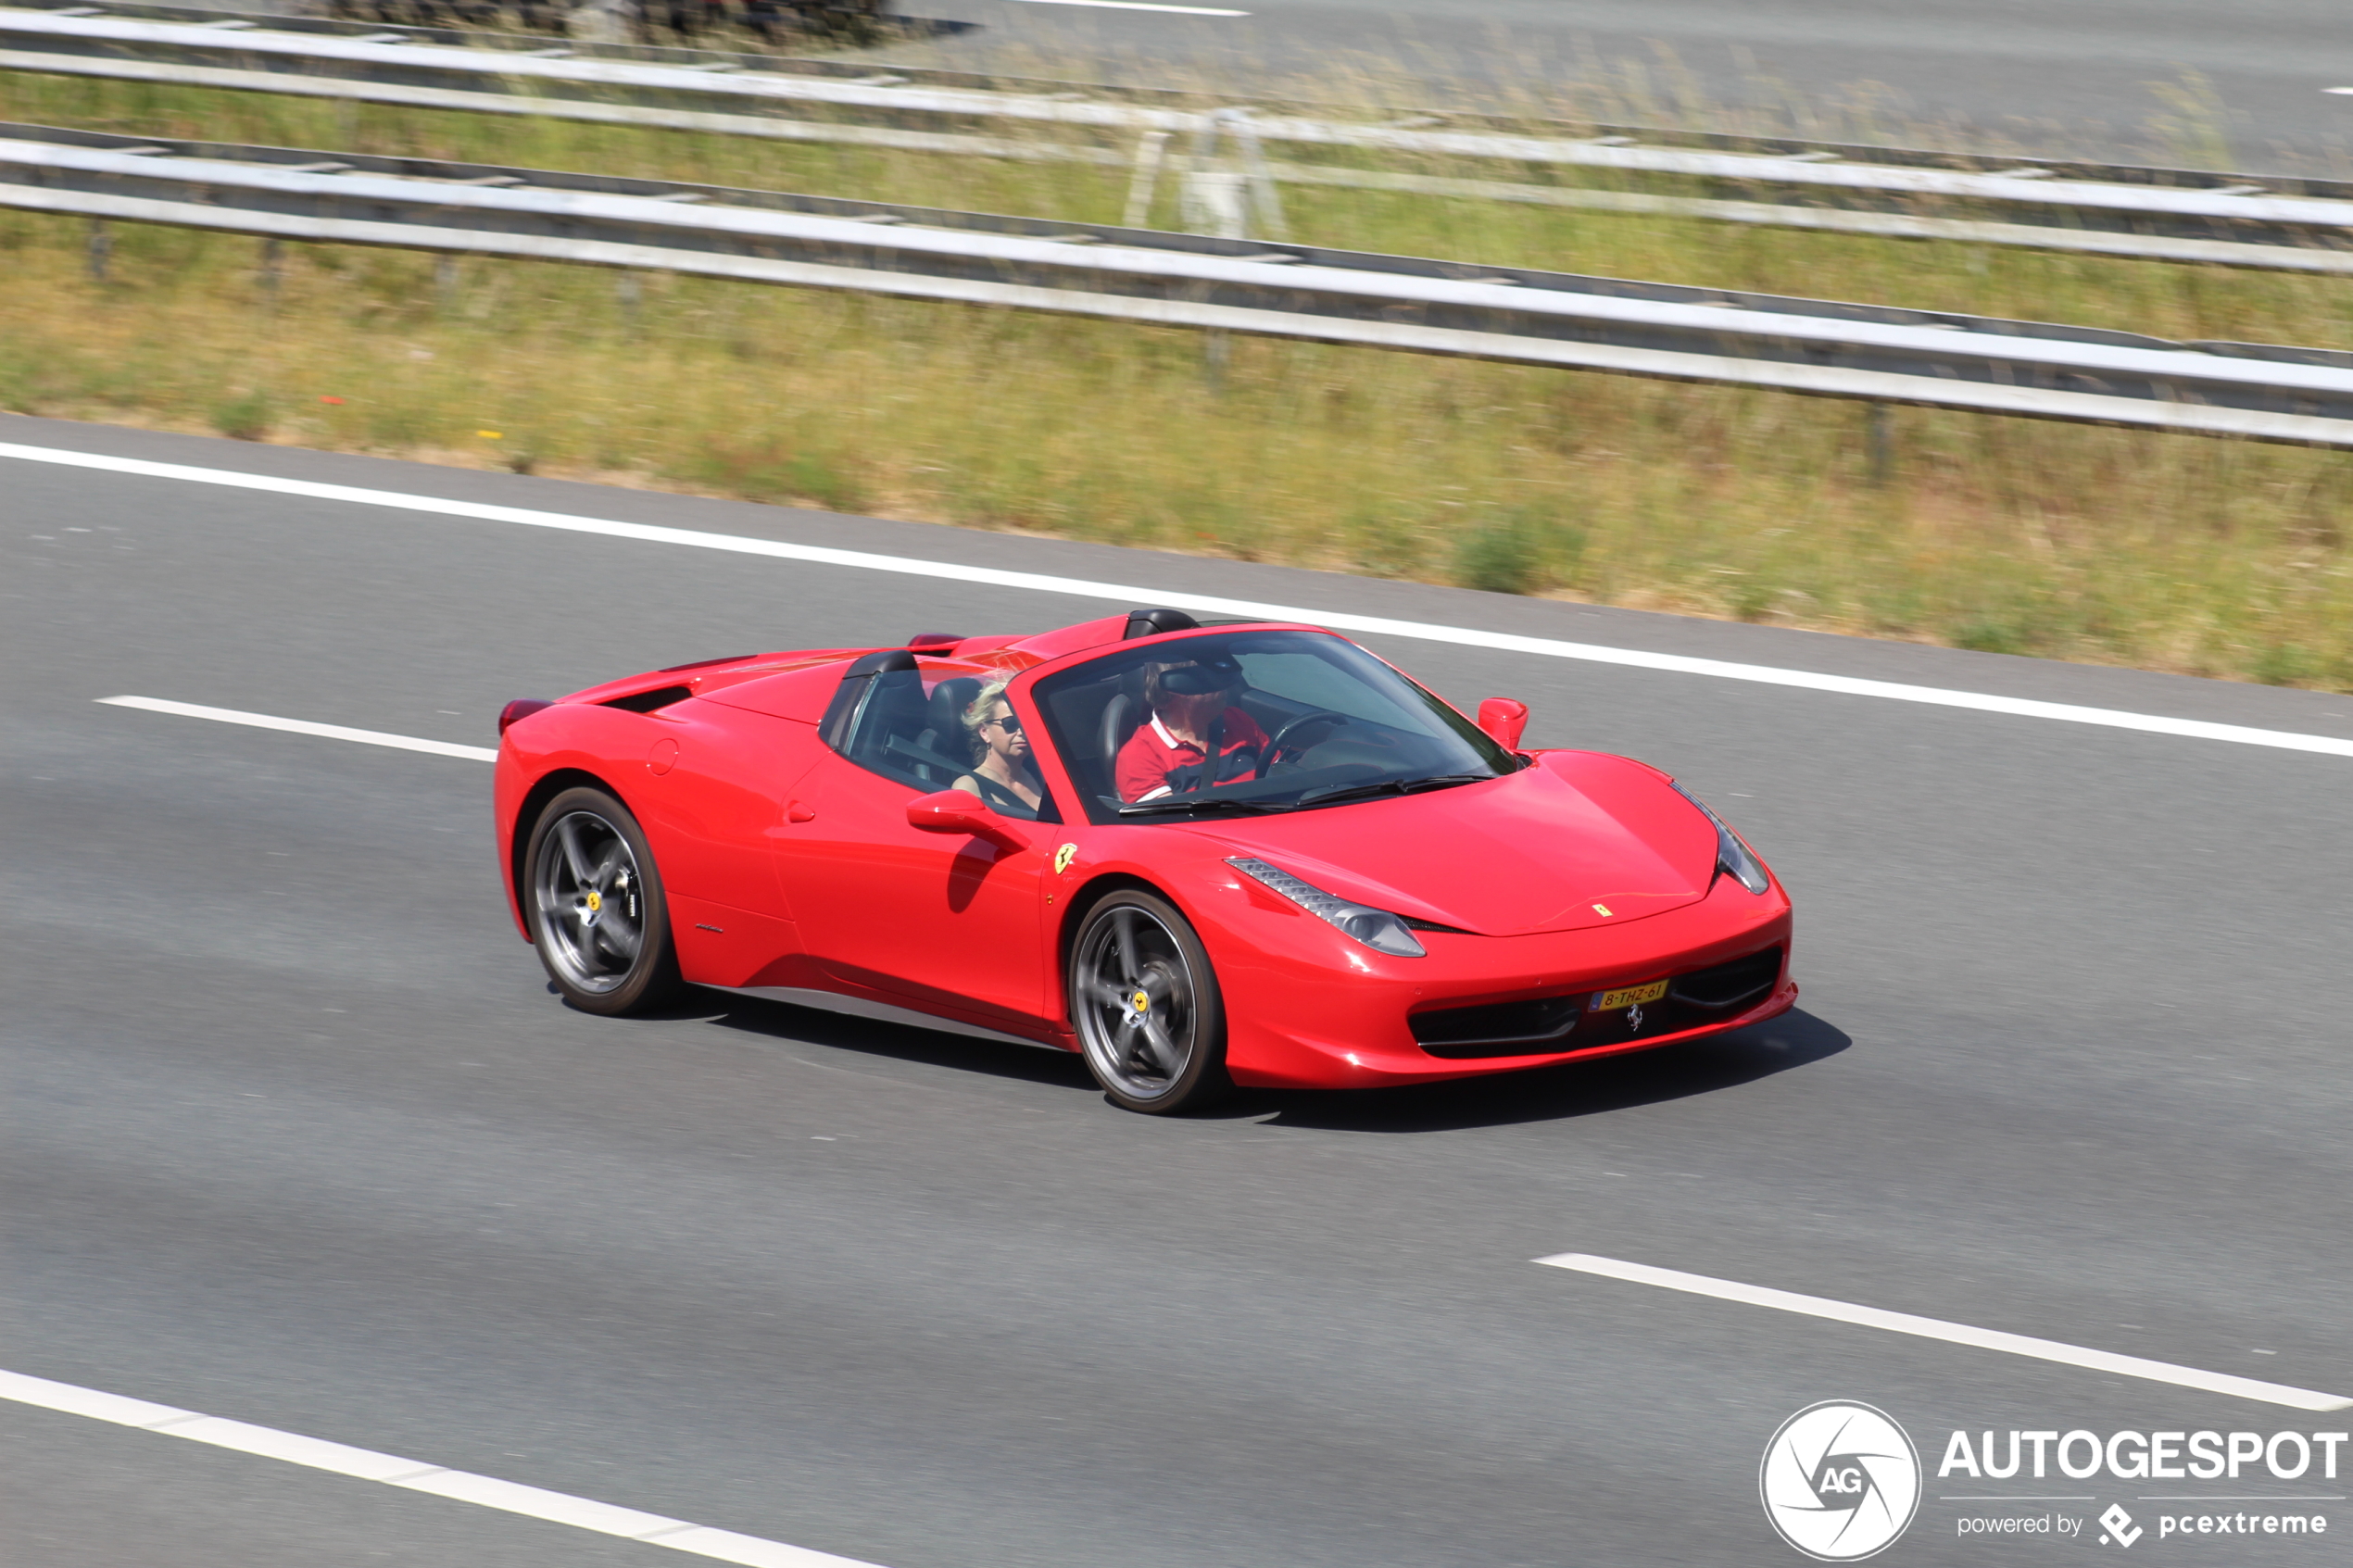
{"points": [[483, 1491], [1117, 593]]}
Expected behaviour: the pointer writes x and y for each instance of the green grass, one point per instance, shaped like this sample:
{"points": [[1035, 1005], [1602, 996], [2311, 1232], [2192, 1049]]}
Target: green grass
{"points": [[2208, 557]]}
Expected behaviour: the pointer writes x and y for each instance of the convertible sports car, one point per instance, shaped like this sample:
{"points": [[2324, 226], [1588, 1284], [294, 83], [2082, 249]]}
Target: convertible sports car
{"points": [[1242, 853]]}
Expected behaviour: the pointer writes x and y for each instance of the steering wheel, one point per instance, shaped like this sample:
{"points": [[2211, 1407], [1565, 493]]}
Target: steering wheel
{"points": [[1275, 744]]}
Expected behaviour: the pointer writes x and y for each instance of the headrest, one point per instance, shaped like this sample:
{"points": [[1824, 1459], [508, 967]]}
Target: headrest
{"points": [[948, 701], [1202, 676]]}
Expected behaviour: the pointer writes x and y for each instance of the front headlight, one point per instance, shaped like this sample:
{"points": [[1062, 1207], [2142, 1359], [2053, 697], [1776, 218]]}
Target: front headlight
{"points": [[1378, 929], [1731, 855]]}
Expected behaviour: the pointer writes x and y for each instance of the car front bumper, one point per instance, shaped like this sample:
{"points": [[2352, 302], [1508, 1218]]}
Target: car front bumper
{"points": [[1307, 1007]]}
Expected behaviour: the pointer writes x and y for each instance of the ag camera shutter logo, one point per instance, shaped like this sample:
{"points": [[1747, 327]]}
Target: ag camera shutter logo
{"points": [[1841, 1481]]}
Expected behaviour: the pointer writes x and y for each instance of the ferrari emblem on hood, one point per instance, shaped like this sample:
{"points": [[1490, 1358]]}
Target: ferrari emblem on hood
{"points": [[1603, 910], [1064, 856]]}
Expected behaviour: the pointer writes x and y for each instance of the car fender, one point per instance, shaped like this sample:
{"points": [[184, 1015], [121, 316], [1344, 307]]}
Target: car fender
{"points": [[541, 756]]}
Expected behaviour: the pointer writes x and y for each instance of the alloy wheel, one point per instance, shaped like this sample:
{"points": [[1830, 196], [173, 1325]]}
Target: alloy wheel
{"points": [[592, 924], [1135, 998]]}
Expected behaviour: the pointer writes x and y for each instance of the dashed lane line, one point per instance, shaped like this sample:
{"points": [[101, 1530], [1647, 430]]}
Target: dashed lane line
{"points": [[1120, 593], [303, 727], [1952, 1333], [415, 1475]]}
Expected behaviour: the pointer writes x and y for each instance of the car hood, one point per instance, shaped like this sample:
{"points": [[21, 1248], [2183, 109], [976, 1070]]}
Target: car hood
{"points": [[1580, 839]]}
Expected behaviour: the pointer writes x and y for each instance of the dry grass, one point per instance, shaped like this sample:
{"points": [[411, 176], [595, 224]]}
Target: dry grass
{"points": [[2208, 557]]}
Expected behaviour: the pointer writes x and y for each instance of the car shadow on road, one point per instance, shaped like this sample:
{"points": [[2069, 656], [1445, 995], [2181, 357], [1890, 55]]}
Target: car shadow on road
{"points": [[1546, 1094]]}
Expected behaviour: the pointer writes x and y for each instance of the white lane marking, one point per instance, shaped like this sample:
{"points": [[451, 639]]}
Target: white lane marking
{"points": [[1806, 680], [1952, 1333], [1140, 5], [303, 727], [483, 1491]]}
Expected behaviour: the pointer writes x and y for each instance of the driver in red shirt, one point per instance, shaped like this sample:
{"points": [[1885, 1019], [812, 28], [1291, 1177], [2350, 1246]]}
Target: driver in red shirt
{"points": [[1191, 719]]}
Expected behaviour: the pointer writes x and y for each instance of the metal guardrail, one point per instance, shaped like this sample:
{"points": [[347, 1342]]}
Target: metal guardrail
{"points": [[1817, 348], [2159, 214]]}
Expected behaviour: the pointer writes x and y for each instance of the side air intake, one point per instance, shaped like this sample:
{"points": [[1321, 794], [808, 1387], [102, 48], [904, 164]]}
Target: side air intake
{"points": [[646, 702]]}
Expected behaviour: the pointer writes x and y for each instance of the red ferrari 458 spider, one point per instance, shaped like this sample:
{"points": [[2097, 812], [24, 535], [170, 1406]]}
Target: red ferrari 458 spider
{"points": [[1241, 853]]}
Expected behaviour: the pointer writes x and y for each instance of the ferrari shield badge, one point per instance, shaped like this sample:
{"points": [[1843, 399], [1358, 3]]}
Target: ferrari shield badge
{"points": [[1603, 910], [1064, 856]]}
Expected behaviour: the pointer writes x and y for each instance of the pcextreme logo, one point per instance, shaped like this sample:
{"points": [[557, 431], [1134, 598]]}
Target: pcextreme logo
{"points": [[1841, 1481]]}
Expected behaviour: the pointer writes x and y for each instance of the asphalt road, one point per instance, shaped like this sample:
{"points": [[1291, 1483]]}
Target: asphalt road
{"points": [[2051, 76], [295, 1133]]}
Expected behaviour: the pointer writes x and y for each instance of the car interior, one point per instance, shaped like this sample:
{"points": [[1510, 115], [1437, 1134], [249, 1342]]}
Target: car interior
{"points": [[1092, 710], [1337, 726], [886, 723]]}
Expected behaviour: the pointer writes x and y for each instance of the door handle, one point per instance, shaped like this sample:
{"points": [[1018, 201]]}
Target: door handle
{"points": [[796, 812]]}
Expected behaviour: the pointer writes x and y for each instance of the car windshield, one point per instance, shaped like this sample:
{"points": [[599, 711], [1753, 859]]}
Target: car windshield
{"points": [[1297, 721]]}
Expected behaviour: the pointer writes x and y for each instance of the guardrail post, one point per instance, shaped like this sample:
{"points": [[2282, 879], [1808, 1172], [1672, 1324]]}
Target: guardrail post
{"points": [[1216, 202], [631, 292], [1878, 443], [100, 249], [445, 281], [1263, 194], [1150, 153], [602, 21], [272, 271]]}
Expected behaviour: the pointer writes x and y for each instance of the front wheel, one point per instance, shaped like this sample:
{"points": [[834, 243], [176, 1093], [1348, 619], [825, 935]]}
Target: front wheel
{"points": [[598, 914], [1146, 1005]]}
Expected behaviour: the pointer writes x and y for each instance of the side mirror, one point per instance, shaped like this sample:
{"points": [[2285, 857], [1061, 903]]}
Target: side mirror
{"points": [[952, 810], [1504, 719]]}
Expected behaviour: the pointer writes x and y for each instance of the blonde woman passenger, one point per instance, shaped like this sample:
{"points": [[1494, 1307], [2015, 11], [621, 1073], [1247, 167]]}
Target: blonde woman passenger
{"points": [[1003, 774]]}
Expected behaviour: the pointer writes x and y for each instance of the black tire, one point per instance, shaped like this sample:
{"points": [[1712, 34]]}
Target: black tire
{"points": [[1168, 1056], [594, 897]]}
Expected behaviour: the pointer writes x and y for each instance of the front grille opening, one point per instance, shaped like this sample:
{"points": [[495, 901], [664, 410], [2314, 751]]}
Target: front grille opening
{"points": [[1729, 984], [646, 702], [1497, 1028], [1549, 1024]]}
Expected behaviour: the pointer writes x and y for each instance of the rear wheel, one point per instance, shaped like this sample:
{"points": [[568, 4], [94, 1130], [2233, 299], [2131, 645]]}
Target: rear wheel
{"points": [[595, 898], [1146, 1005]]}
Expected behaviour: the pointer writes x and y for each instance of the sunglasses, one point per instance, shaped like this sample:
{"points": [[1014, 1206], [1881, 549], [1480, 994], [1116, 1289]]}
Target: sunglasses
{"points": [[1010, 724]]}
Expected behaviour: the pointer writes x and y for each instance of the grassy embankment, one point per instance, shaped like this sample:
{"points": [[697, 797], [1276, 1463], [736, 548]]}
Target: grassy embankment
{"points": [[2178, 553]]}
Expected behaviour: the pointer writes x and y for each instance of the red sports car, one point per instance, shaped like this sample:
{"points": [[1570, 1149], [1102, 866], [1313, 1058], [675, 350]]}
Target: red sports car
{"points": [[1242, 853]]}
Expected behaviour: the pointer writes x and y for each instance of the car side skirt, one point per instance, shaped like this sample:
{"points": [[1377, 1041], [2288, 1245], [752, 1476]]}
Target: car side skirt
{"points": [[881, 1012]]}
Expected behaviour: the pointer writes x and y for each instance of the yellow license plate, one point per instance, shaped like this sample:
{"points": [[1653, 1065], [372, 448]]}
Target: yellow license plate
{"points": [[1629, 996]]}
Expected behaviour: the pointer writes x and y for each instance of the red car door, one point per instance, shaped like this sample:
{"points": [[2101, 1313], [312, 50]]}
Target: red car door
{"points": [[949, 922], [943, 922]]}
